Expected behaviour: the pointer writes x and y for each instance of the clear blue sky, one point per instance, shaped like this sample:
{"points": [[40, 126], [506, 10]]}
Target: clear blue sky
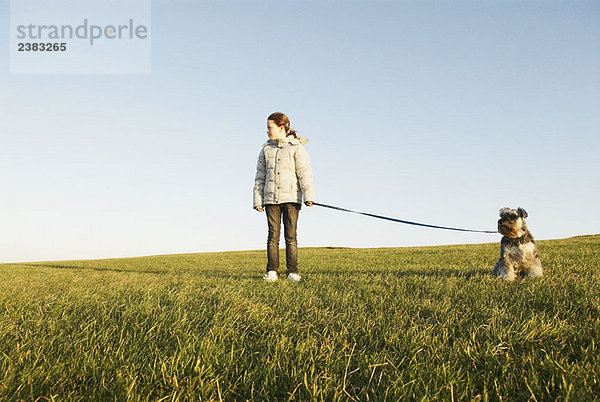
{"points": [[439, 112]]}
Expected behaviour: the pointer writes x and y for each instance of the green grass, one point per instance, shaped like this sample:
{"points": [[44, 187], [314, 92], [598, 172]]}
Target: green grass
{"points": [[365, 324]]}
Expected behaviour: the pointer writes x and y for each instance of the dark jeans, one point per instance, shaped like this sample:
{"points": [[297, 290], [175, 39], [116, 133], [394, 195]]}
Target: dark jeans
{"points": [[289, 212]]}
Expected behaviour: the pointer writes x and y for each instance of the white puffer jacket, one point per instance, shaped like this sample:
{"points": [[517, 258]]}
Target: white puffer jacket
{"points": [[283, 173]]}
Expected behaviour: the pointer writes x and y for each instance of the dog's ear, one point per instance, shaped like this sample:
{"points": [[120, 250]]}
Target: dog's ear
{"points": [[503, 211], [522, 213]]}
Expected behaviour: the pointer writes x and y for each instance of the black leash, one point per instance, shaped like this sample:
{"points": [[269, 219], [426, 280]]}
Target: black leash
{"points": [[402, 221]]}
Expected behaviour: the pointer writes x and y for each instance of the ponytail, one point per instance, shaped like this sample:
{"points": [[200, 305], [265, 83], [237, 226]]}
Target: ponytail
{"points": [[292, 132]]}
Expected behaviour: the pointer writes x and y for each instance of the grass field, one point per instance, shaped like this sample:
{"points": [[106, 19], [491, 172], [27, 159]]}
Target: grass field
{"points": [[365, 324]]}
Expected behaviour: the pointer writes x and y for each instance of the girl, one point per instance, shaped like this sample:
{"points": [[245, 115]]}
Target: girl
{"points": [[283, 178]]}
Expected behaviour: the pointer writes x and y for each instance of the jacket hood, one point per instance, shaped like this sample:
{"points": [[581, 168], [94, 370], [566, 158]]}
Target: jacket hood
{"points": [[289, 139]]}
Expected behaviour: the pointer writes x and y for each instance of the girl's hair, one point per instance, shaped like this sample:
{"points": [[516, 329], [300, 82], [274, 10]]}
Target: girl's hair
{"points": [[281, 119]]}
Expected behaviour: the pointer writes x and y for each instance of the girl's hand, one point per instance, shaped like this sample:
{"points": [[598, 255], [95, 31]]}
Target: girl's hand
{"points": [[259, 209], [308, 203]]}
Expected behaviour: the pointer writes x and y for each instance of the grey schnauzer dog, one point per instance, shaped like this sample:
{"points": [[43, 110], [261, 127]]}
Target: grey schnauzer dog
{"points": [[518, 253]]}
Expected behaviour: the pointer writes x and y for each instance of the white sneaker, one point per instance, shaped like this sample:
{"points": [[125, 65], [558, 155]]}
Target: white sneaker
{"points": [[294, 277], [271, 276]]}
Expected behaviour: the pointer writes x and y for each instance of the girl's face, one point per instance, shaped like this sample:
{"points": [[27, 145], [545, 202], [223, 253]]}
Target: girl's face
{"points": [[274, 131]]}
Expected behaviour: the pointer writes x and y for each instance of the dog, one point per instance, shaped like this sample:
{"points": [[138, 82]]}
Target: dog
{"points": [[519, 257]]}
